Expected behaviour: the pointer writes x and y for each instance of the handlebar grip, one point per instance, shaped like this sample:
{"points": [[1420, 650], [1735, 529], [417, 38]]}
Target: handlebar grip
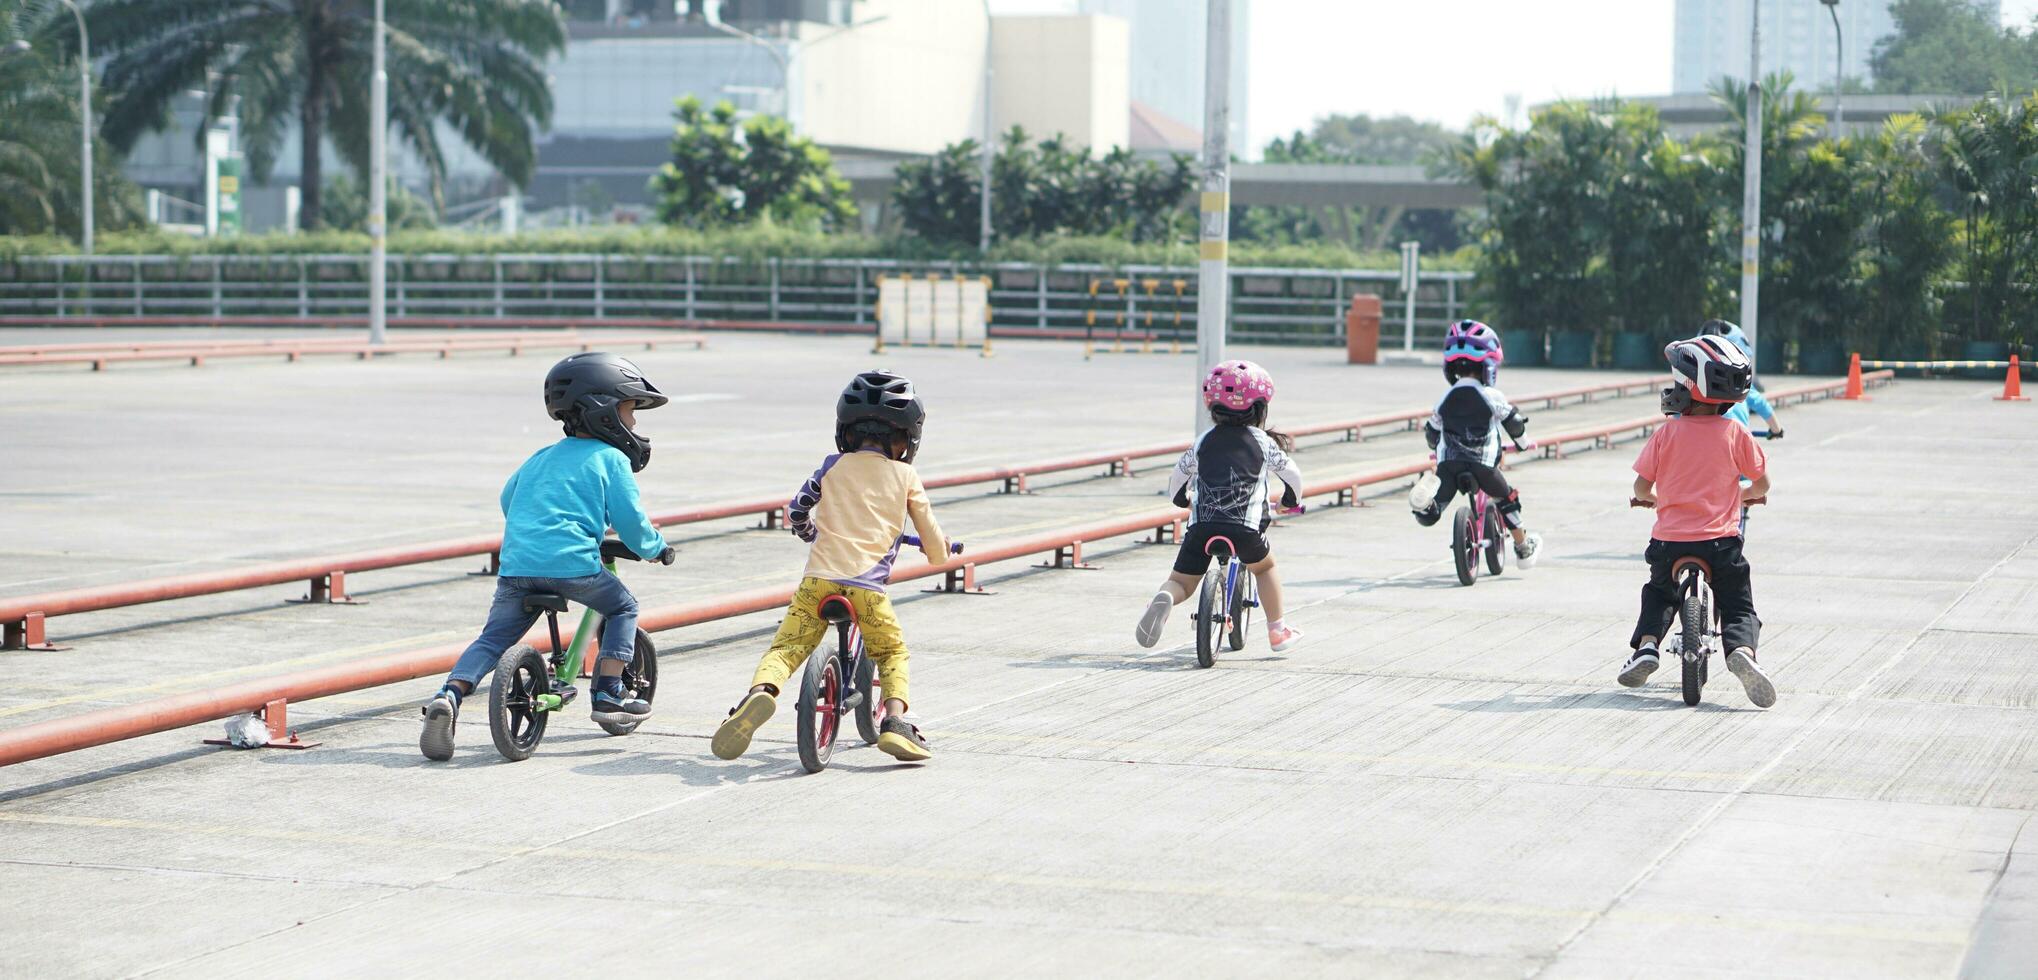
{"points": [[955, 547], [1758, 500], [1639, 502], [613, 549]]}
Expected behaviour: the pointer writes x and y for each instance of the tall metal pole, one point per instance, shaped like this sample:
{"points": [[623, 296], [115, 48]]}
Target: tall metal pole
{"points": [[984, 205], [85, 118], [1213, 281], [1839, 66], [378, 192], [1751, 185]]}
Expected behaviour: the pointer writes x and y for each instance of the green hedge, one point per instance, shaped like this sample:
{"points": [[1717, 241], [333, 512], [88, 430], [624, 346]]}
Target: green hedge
{"points": [[747, 243]]}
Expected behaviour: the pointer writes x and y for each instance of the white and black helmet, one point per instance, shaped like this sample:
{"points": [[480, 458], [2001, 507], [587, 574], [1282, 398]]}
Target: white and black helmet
{"points": [[1706, 369], [585, 390], [879, 405]]}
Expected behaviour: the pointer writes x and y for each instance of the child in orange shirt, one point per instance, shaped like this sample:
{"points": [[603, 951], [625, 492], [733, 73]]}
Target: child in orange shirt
{"points": [[1691, 472]]}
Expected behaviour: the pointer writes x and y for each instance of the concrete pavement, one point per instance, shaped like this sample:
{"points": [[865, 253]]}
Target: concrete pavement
{"points": [[1439, 781]]}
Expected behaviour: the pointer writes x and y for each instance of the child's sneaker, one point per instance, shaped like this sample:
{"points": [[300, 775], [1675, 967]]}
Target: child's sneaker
{"points": [[1640, 665], [899, 739], [436, 741], [733, 738], [614, 704], [1760, 692], [1422, 496], [1282, 637], [1154, 619], [1529, 550]]}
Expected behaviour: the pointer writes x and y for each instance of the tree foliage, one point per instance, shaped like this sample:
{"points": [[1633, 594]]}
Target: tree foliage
{"points": [[1355, 139], [344, 207], [1989, 158], [725, 171], [1952, 47], [474, 66], [1048, 188], [40, 167]]}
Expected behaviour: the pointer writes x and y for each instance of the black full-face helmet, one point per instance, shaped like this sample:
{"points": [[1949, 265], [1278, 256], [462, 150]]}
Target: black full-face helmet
{"points": [[882, 406], [584, 391]]}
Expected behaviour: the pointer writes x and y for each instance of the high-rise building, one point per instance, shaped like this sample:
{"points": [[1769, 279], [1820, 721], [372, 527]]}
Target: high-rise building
{"points": [[1797, 36], [1167, 60]]}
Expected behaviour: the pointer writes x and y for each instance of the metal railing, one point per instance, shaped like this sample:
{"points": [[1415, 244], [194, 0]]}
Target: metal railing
{"points": [[1276, 305]]}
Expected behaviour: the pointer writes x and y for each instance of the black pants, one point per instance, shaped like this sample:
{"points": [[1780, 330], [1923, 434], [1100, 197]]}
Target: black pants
{"points": [[1487, 478], [1733, 591]]}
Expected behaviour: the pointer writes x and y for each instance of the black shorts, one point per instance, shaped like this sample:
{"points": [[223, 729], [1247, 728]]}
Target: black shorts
{"points": [[1190, 560]]}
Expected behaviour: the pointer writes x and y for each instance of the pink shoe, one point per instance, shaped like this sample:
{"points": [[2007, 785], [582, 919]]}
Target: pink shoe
{"points": [[1282, 637]]}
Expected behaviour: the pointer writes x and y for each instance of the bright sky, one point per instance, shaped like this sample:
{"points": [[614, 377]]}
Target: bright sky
{"points": [[1449, 61]]}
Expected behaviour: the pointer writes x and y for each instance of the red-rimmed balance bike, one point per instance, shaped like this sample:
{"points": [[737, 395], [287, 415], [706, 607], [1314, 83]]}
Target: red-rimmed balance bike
{"points": [[1697, 636], [840, 681]]}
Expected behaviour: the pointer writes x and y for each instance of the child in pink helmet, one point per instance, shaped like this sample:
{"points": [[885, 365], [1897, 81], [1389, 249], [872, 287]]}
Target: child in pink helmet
{"points": [[1233, 467]]}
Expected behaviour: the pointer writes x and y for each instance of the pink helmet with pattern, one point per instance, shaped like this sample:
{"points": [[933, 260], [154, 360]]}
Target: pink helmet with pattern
{"points": [[1235, 385]]}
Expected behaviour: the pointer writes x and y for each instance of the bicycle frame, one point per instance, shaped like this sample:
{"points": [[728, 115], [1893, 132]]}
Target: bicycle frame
{"points": [[1692, 580], [567, 660]]}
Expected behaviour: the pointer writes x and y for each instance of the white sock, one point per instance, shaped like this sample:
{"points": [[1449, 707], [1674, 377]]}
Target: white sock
{"points": [[1276, 625]]}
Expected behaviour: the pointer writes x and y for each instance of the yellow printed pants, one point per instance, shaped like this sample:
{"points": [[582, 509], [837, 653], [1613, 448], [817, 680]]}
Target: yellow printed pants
{"points": [[883, 642]]}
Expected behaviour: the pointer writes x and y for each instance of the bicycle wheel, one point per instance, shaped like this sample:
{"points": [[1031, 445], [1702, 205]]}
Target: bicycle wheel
{"points": [[1496, 540], [515, 721], [640, 679], [1210, 618], [1691, 620], [1461, 546], [1242, 607], [820, 703], [871, 713]]}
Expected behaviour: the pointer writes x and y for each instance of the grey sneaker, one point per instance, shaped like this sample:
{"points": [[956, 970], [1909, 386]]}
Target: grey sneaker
{"points": [[436, 741], [1154, 619], [1640, 665], [1529, 550], [1760, 691]]}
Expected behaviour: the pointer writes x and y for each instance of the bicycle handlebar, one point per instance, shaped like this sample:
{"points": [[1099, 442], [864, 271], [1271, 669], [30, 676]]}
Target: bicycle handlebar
{"points": [[1651, 505], [613, 549], [954, 547]]}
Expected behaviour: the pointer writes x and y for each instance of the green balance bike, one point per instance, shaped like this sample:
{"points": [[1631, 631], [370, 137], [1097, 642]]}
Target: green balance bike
{"points": [[530, 686]]}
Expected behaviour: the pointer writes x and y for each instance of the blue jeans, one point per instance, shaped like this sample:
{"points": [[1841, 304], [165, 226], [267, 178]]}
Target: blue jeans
{"points": [[508, 620]]}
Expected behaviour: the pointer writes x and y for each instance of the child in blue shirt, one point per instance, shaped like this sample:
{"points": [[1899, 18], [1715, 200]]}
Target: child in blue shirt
{"points": [[1755, 402], [556, 509]]}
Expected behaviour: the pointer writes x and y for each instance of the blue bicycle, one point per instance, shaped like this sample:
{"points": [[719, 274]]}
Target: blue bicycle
{"points": [[1225, 606]]}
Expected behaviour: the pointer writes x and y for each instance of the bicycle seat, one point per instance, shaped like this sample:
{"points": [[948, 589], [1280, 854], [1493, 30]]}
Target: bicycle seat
{"points": [[1690, 561], [837, 610], [545, 602], [1467, 485], [1220, 547]]}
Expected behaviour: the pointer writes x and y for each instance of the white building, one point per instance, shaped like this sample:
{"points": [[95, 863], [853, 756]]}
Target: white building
{"points": [[1168, 40], [1797, 36]]}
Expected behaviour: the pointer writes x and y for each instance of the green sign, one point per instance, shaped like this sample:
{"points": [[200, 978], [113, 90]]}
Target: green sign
{"points": [[229, 202]]}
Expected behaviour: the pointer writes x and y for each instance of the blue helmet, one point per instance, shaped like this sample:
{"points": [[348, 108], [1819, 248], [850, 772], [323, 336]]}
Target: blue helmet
{"points": [[1732, 332]]}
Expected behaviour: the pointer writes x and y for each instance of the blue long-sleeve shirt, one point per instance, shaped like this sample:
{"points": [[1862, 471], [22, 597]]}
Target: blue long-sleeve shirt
{"points": [[558, 505], [1755, 402]]}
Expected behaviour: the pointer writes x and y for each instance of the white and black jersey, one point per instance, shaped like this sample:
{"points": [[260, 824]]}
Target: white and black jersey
{"points": [[1233, 469], [1468, 421]]}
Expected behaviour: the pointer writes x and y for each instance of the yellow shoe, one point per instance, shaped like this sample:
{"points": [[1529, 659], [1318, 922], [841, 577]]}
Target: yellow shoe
{"points": [[902, 741], [733, 737]]}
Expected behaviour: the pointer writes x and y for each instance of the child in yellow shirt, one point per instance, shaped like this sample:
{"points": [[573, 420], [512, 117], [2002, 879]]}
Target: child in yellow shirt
{"points": [[852, 511]]}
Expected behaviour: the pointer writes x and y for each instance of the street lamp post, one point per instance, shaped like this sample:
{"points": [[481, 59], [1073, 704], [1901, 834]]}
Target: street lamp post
{"points": [[1751, 185], [984, 204], [1213, 285], [378, 190], [1839, 65]]}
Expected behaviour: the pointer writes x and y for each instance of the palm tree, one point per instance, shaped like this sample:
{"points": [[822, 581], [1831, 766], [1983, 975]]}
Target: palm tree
{"points": [[476, 65], [39, 166]]}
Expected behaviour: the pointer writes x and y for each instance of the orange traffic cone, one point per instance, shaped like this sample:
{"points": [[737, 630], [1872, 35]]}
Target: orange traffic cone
{"points": [[2013, 386], [1854, 393]]}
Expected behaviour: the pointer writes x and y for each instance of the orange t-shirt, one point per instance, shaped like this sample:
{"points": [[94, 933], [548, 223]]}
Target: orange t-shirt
{"points": [[1696, 463]]}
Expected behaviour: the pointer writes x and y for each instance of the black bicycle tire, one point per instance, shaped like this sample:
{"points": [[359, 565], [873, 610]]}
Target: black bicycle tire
{"points": [[1496, 540], [1209, 623], [866, 713], [1461, 547], [516, 663], [814, 756], [1691, 621], [1241, 613]]}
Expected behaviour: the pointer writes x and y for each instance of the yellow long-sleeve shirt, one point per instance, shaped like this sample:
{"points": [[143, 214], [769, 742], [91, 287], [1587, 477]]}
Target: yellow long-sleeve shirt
{"points": [[853, 509]]}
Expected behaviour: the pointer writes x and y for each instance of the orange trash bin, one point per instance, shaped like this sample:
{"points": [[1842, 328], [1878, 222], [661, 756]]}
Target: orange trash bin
{"points": [[1362, 330]]}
